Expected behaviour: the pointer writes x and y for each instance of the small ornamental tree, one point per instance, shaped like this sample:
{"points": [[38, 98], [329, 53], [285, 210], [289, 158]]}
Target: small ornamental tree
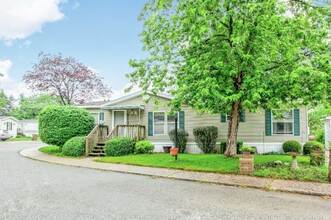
{"points": [[66, 78], [225, 56], [57, 124]]}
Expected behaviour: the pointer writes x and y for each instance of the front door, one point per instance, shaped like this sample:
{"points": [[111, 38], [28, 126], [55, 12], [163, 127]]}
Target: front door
{"points": [[119, 118]]}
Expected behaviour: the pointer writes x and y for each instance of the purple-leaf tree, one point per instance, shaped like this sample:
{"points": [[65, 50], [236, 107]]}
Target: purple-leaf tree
{"points": [[67, 78]]}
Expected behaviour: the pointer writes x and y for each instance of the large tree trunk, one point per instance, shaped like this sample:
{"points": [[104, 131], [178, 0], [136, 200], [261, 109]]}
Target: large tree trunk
{"points": [[231, 146]]}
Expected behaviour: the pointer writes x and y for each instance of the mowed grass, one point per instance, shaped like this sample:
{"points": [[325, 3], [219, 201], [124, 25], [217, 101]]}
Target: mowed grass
{"points": [[53, 150], [220, 164], [21, 139], [198, 162]]}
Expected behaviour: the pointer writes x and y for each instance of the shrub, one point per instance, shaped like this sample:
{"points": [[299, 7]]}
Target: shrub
{"points": [[291, 146], [223, 146], [143, 147], [57, 124], [206, 138], [312, 145], [74, 147], [119, 146], [248, 148], [182, 139], [320, 137]]}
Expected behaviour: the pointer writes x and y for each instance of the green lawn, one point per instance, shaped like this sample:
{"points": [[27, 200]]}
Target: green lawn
{"points": [[221, 164], [53, 150], [21, 139]]}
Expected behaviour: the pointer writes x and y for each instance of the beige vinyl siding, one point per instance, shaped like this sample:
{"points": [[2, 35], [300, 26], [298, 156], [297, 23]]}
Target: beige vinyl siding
{"points": [[108, 115], [252, 130]]}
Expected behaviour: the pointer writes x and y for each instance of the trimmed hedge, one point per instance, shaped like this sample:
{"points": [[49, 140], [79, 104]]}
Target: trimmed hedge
{"points": [[292, 146], [57, 124], [206, 138], [74, 147], [182, 139], [312, 145], [240, 144], [143, 147], [119, 146]]}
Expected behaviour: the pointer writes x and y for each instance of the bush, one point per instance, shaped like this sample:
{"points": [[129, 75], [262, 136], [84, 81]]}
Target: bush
{"points": [[320, 137], [312, 145], [206, 138], [291, 146], [119, 146], [182, 139], [223, 146], [248, 148], [143, 147], [74, 147], [57, 124]]}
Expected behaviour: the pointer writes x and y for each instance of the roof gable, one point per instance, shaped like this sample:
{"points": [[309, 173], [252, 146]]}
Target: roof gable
{"points": [[134, 95]]}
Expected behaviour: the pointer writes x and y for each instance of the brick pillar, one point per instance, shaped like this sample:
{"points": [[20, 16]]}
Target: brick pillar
{"points": [[246, 164]]}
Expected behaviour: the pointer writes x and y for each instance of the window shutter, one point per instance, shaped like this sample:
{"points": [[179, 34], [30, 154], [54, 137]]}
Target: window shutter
{"points": [[242, 116], [150, 123], [268, 122], [296, 114], [181, 120], [223, 118]]}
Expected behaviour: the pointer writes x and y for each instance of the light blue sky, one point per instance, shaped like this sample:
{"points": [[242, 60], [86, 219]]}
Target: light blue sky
{"points": [[102, 34]]}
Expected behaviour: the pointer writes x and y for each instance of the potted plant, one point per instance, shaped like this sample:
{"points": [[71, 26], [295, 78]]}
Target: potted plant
{"points": [[247, 150], [293, 148]]}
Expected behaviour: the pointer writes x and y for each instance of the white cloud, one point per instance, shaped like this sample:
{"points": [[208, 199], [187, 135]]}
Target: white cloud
{"points": [[27, 43], [117, 93], [9, 43], [21, 18], [10, 86]]}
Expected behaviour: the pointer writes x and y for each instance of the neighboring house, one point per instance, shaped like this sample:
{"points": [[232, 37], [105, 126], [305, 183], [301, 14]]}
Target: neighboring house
{"points": [[10, 124], [28, 127], [261, 130]]}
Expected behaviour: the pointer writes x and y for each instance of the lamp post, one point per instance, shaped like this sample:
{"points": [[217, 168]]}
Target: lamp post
{"points": [[174, 151], [176, 133]]}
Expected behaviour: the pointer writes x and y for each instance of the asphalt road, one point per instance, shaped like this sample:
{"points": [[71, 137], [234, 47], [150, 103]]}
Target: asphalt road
{"points": [[35, 190]]}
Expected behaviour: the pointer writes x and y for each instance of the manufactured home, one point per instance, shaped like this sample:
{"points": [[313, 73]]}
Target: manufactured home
{"points": [[10, 124], [131, 115]]}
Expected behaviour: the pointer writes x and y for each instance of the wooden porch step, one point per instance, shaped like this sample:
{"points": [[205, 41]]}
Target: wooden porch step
{"points": [[101, 143], [97, 154], [98, 151]]}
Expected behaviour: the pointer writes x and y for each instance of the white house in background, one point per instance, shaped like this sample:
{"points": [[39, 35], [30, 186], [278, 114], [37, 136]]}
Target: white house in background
{"points": [[262, 130], [10, 124], [28, 127]]}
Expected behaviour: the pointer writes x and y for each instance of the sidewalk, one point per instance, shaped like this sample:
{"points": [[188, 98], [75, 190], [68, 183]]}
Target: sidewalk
{"points": [[308, 188]]}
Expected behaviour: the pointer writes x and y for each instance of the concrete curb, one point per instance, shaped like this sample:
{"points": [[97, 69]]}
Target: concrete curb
{"points": [[290, 186]]}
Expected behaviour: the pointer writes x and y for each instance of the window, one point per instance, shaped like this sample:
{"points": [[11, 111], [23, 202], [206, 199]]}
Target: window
{"points": [[163, 123], [95, 117], [9, 126], [282, 123]]}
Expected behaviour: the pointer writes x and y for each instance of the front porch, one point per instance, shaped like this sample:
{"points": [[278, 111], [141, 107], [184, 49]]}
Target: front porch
{"points": [[122, 121]]}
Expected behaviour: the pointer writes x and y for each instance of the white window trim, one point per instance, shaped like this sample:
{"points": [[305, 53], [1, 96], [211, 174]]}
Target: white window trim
{"points": [[113, 117], [282, 120], [165, 123]]}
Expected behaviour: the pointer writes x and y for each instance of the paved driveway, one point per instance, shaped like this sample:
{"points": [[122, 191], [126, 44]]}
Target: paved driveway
{"points": [[35, 190]]}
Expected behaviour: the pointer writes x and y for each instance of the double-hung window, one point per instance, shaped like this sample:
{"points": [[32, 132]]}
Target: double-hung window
{"points": [[282, 123], [9, 126], [163, 123]]}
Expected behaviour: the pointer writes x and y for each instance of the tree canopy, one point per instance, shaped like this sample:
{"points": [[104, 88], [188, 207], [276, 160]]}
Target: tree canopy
{"points": [[67, 78], [30, 107], [225, 56]]}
